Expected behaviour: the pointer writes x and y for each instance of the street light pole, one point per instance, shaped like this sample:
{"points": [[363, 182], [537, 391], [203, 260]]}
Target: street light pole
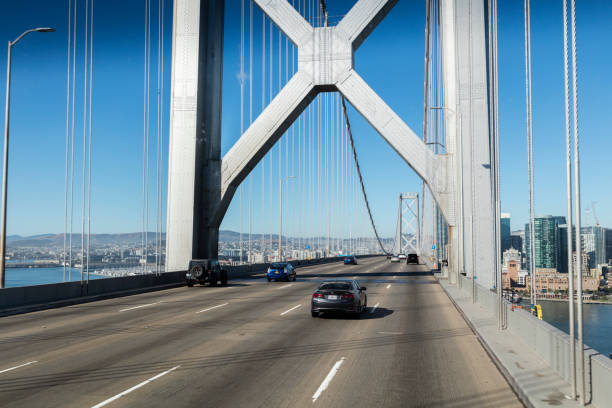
{"points": [[7, 109]]}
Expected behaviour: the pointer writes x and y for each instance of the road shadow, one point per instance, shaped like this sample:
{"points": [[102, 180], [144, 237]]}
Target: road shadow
{"points": [[350, 274], [230, 284], [378, 313]]}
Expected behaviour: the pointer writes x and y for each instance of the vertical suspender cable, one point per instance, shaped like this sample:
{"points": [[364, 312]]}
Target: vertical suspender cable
{"points": [[157, 129], [249, 255], [241, 104], [472, 181], [83, 188], [68, 66], [577, 203], [531, 249], [263, 161], [270, 99], [279, 147], [74, 30], [145, 150], [425, 99], [494, 148], [90, 134], [569, 223]]}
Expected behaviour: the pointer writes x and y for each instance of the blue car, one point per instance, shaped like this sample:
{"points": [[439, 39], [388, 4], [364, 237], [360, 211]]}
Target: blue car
{"points": [[281, 270], [350, 260]]}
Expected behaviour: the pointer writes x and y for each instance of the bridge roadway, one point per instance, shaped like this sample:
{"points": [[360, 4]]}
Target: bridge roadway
{"points": [[253, 344]]}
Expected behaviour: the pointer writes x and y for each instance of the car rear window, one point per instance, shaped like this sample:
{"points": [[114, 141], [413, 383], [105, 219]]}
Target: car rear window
{"points": [[277, 265], [335, 286]]}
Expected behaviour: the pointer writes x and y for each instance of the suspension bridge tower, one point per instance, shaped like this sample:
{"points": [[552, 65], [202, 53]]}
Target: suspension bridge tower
{"points": [[201, 184]]}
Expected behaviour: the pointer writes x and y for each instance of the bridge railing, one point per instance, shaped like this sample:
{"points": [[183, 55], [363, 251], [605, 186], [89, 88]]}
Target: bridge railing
{"points": [[551, 344]]}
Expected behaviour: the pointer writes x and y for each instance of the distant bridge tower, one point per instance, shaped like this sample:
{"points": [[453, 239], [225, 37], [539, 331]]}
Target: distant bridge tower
{"points": [[407, 234]]}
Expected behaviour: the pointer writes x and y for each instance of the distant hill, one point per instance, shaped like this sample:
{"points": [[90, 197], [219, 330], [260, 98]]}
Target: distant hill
{"points": [[131, 239]]}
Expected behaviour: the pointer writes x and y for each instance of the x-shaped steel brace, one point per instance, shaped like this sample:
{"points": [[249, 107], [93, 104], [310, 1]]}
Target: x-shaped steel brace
{"points": [[326, 63]]}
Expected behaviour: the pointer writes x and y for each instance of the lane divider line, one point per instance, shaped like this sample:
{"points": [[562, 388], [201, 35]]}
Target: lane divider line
{"points": [[138, 307], [16, 367], [211, 308], [388, 286], [285, 286], [327, 380], [374, 308], [116, 397], [287, 311]]}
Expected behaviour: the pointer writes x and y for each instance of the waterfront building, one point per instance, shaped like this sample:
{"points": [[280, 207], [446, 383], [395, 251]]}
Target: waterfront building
{"points": [[548, 280], [548, 252], [585, 262], [511, 255]]}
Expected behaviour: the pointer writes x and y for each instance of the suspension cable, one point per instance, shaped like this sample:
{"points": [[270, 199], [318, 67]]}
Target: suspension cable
{"points": [[365, 196], [569, 223], [68, 65], [90, 134], [577, 201], [74, 32]]}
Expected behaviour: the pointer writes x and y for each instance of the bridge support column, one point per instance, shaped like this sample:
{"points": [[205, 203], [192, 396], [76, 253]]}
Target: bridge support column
{"points": [[194, 174], [465, 72]]}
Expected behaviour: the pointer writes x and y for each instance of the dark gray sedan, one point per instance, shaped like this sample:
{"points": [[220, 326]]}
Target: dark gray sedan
{"points": [[339, 295]]}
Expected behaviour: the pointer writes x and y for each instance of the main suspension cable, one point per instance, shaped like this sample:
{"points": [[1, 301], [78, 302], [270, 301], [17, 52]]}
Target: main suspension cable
{"points": [[365, 196]]}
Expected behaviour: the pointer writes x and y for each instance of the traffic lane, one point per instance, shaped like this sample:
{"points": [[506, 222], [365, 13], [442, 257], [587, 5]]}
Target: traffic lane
{"points": [[431, 358], [73, 323], [97, 356], [280, 364], [14, 323]]}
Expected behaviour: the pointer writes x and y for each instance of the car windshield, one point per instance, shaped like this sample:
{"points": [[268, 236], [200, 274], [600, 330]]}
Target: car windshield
{"points": [[277, 265], [335, 286]]}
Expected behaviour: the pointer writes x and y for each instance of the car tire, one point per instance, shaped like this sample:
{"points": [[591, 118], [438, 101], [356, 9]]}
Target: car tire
{"points": [[269, 280], [213, 280], [294, 277], [314, 314], [190, 284], [223, 278]]}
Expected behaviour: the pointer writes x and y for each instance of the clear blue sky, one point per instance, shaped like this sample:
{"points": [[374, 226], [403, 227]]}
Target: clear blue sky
{"points": [[390, 60]]}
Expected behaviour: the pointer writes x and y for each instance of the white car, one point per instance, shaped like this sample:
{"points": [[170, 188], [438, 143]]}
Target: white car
{"points": [[402, 256], [395, 259]]}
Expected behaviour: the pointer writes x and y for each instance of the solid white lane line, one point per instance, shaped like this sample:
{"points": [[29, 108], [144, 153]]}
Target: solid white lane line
{"points": [[287, 311], [108, 401], [374, 308], [138, 307], [327, 379], [285, 286], [388, 286], [354, 277], [394, 276], [19, 366], [211, 308]]}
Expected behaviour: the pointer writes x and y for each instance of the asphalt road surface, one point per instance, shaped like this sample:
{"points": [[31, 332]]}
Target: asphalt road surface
{"points": [[254, 344]]}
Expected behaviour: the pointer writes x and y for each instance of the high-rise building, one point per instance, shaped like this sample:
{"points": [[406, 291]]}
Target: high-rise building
{"points": [[548, 252], [506, 242], [594, 244], [608, 236]]}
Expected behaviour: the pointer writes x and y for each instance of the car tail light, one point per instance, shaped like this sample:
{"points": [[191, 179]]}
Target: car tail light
{"points": [[347, 296], [317, 295]]}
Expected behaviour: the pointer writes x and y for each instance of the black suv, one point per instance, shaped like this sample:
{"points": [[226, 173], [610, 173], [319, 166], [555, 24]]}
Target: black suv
{"points": [[412, 259], [205, 270]]}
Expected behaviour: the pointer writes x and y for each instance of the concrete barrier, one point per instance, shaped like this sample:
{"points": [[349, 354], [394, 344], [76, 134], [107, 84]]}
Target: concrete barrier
{"points": [[28, 298], [552, 345]]}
